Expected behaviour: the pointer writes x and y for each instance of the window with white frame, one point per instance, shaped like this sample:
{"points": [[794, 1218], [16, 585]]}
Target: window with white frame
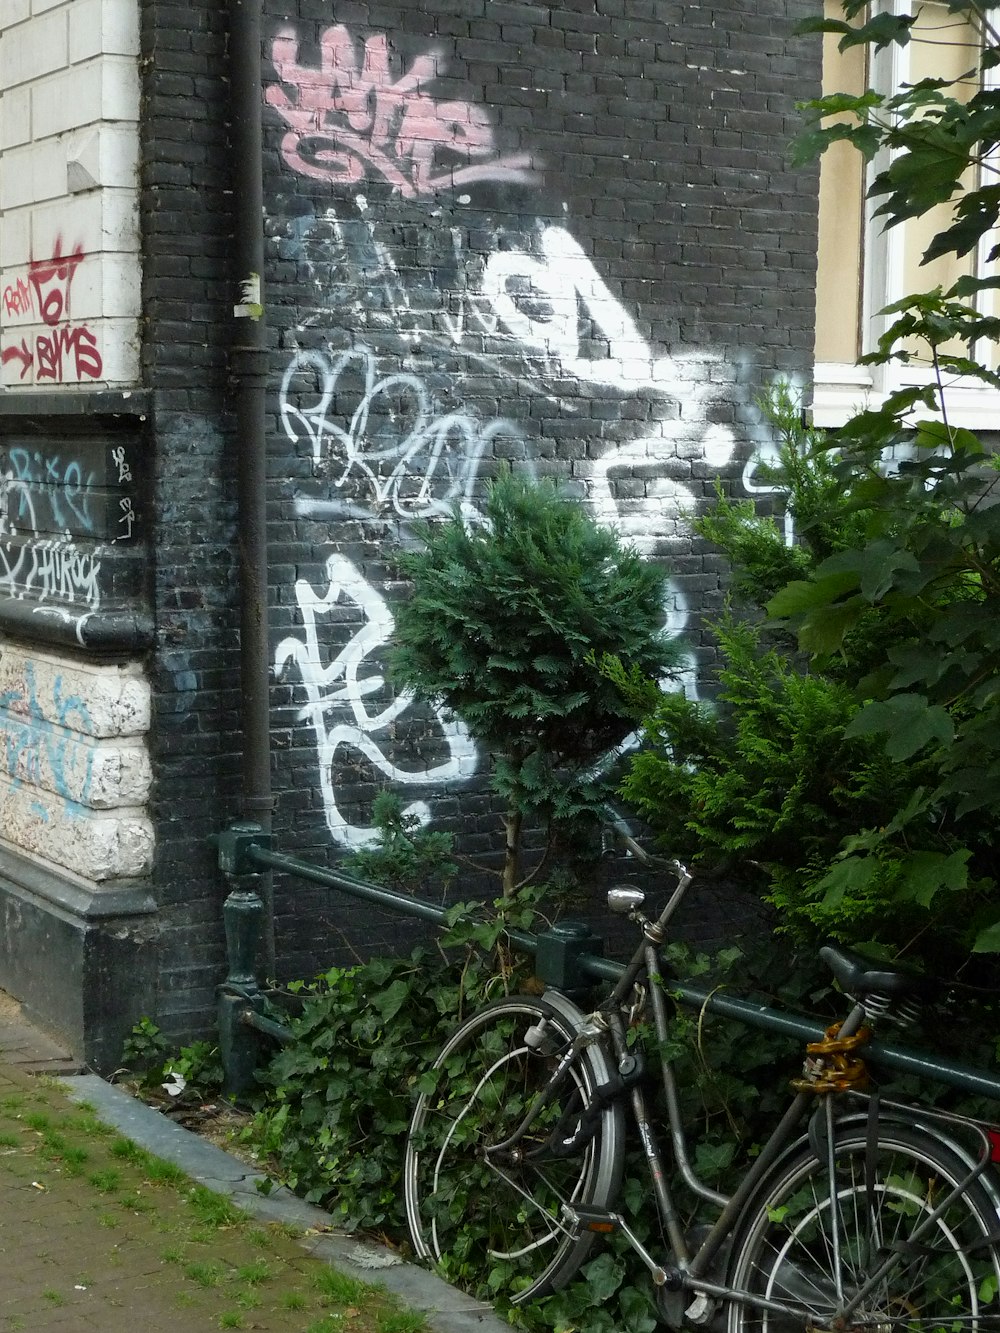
{"points": [[862, 266]]}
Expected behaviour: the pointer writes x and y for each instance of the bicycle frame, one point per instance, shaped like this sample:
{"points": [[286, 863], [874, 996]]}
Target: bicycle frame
{"points": [[690, 1272]]}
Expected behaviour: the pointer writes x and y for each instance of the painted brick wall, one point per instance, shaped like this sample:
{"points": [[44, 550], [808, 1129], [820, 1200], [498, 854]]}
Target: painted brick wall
{"points": [[188, 294], [562, 236], [557, 235]]}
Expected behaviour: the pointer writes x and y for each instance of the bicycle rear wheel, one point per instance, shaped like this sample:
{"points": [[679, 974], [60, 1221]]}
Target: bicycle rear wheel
{"points": [[816, 1247], [499, 1226]]}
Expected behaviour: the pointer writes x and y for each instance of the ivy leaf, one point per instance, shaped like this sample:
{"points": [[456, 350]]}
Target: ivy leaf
{"points": [[604, 1276], [988, 940], [391, 1000]]}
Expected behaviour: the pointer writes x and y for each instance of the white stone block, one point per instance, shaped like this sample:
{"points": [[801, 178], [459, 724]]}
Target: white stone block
{"points": [[120, 348], [15, 240], [68, 356], [32, 50], [67, 223], [15, 11], [15, 117], [94, 846], [105, 155], [32, 174], [103, 88], [67, 100], [105, 286], [104, 220], [101, 775], [110, 27], [108, 700], [121, 88]]}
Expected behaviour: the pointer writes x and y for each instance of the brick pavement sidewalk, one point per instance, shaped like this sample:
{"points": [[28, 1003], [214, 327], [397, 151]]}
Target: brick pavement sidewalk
{"points": [[113, 1218], [97, 1234]]}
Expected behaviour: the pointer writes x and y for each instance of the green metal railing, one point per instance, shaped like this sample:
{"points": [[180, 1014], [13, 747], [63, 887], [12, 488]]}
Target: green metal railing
{"points": [[565, 957]]}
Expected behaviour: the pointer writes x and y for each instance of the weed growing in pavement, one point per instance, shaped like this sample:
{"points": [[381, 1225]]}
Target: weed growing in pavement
{"points": [[108, 1181]]}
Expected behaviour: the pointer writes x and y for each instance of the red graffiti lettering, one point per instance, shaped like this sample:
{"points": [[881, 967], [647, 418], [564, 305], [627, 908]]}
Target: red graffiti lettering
{"points": [[352, 115], [17, 299], [22, 354], [72, 349], [52, 279]]}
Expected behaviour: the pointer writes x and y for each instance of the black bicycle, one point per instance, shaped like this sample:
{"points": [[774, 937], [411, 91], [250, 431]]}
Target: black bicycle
{"points": [[857, 1214]]}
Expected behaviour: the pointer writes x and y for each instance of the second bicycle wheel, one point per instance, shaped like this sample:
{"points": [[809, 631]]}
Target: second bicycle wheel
{"points": [[498, 1226], [881, 1248]]}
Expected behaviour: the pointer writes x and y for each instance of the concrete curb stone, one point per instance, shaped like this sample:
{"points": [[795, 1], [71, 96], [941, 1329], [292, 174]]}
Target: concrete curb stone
{"points": [[446, 1309]]}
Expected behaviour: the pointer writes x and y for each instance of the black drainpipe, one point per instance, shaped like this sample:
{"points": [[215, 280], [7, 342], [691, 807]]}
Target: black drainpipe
{"points": [[249, 375]]}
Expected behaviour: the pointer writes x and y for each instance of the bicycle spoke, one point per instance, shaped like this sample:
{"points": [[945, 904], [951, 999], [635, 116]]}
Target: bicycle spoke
{"points": [[884, 1244]]}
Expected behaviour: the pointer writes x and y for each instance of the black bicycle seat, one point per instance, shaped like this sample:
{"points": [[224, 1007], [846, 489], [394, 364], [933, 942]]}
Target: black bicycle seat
{"points": [[860, 975]]}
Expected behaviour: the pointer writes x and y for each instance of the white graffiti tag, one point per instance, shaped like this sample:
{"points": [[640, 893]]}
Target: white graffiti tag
{"points": [[411, 459], [47, 570], [343, 686]]}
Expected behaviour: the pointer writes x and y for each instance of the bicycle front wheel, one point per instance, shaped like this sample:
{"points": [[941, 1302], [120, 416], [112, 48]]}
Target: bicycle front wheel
{"points": [[878, 1247], [498, 1225]]}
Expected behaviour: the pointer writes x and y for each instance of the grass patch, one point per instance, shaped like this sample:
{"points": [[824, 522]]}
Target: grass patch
{"points": [[108, 1181], [208, 1274], [334, 1286], [212, 1210], [253, 1274], [161, 1172], [127, 1151], [401, 1321]]}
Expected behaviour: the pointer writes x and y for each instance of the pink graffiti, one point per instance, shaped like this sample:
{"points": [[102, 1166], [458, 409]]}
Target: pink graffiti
{"points": [[72, 349], [351, 116], [17, 298]]}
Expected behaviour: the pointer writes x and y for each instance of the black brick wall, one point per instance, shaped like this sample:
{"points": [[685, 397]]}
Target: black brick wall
{"points": [[601, 297], [187, 298]]}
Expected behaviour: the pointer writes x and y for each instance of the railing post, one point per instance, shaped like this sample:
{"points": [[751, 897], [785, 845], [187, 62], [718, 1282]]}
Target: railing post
{"points": [[243, 919], [558, 957]]}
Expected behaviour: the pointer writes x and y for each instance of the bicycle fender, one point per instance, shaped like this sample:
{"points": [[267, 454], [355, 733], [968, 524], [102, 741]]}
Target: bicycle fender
{"points": [[576, 1018], [903, 1115]]}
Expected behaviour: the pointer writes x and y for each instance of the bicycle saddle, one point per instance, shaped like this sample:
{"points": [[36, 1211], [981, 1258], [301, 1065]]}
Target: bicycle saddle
{"points": [[860, 975]]}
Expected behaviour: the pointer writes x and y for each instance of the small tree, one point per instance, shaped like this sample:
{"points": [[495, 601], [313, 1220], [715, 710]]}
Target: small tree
{"points": [[926, 561], [768, 779], [505, 627]]}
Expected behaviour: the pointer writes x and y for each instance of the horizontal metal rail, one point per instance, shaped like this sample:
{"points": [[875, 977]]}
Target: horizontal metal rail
{"points": [[966, 1078], [372, 893]]}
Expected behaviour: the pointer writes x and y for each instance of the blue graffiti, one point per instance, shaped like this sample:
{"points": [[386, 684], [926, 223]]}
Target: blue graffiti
{"points": [[47, 753]]}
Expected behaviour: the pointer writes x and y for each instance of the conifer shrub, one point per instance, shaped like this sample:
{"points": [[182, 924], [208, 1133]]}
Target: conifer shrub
{"points": [[505, 627]]}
